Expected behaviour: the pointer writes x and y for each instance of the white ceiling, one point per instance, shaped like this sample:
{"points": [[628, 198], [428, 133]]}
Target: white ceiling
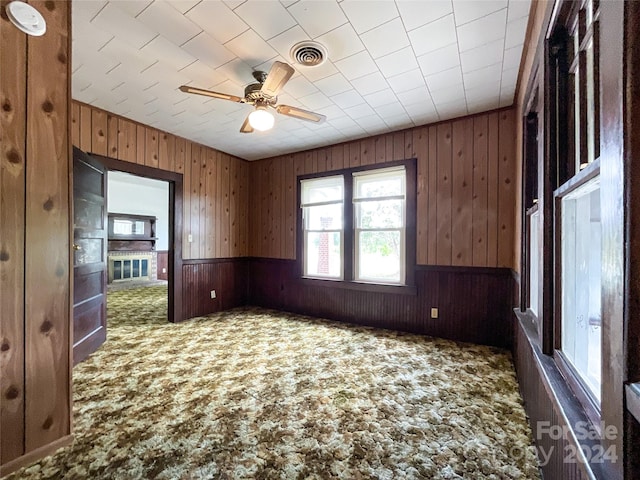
{"points": [[391, 64]]}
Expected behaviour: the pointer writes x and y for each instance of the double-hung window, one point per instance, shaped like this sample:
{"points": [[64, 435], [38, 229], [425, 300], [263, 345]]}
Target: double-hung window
{"points": [[354, 225]]}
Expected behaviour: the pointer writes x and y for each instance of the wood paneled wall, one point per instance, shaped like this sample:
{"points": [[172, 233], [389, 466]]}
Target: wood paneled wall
{"points": [[474, 303], [215, 184], [465, 189], [35, 237]]}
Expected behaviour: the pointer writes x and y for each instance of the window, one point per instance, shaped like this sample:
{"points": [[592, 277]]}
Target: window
{"points": [[355, 227]]}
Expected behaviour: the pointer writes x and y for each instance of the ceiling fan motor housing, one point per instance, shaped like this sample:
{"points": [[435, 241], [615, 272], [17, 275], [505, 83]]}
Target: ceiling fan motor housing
{"points": [[253, 94]]}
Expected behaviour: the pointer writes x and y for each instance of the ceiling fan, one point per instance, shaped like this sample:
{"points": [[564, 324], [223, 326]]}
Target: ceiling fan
{"points": [[263, 95]]}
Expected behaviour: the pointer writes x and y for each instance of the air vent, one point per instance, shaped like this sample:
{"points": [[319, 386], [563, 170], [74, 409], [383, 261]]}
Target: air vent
{"points": [[309, 54]]}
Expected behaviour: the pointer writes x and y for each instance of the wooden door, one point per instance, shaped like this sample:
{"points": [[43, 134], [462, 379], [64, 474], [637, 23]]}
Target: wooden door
{"points": [[89, 255]]}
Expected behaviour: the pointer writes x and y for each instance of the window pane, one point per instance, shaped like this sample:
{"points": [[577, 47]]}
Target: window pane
{"points": [[581, 271], [533, 261], [380, 214], [323, 217], [323, 251], [591, 113], [379, 184], [379, 256], [318, 190]]}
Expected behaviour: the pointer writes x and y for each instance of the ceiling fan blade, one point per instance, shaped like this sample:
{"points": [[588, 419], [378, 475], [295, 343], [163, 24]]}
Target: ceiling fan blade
{"points": [[279, 74], [246, 128], [300, 113], [209, 93]]}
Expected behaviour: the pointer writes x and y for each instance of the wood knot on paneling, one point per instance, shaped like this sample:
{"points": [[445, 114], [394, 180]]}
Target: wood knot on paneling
{"points": [[507, 181], [12, 393], [47, 106], [47, 423], [50, 5], [5, 346], [100, 133], [14, 156], [6, 106], [48, 205], [4, 256], [62, 58], [46, 327]]}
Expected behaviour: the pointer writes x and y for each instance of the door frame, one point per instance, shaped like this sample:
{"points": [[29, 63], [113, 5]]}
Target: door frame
{"points": [[174, 309]]}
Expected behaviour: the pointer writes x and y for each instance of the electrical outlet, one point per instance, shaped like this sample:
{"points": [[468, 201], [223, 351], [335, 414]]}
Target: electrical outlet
{"points": [[164, 270], [213, 294], [190, 238], [434, 313]]}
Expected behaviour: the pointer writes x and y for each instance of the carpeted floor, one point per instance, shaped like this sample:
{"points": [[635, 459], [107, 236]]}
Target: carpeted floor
{"points": [[254, 393]]}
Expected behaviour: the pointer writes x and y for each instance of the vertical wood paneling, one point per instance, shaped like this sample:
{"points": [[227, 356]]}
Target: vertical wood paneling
{"points": [[211, 179], [85, 128], [99, 132], [367, 151], [141, 141], [480, 193], [289, 207], [151, 147], [381, 149], [202, 212], [218, 207], [462, 193], [444, 194], [354, 154], [432, 220], [277, 210], [398, 146], [233, 209], [180, 148], [112, 136], [506, 188], [47, 222], [194, 202], [225, 214], [164, 153], [75, 113], [244, 209], [127, 141], [337, 157], [421, 146], [492, 196], [186, 202], [13, 115]]}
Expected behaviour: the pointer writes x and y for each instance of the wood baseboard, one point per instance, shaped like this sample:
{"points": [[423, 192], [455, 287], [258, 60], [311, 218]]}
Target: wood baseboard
{"points": [[34, 455]]}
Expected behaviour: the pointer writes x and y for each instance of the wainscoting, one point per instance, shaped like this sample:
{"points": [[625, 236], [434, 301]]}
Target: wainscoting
{"points": [[227, 276], [475, 303]]}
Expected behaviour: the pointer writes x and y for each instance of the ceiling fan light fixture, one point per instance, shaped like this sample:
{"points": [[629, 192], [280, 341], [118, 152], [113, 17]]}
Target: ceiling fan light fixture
{"points": [[261, 119]]}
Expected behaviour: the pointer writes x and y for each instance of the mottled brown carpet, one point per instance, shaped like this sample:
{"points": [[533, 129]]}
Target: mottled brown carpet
{"points": [[254, 393]]}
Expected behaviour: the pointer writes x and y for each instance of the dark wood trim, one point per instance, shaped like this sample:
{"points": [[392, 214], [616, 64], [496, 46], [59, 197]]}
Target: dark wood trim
{"points": [[35, 455], [360, 286], [175, 310], [205, 261], [588, 173], [467, 269], [632, 394]]}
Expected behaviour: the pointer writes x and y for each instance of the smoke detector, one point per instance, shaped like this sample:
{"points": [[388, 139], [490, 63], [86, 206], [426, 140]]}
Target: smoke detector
{"points": [[26, 18], [308, 54]]}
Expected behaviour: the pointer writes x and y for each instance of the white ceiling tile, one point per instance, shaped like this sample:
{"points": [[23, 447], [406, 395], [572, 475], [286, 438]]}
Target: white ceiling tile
{"points": [[516, 31], [317, 17], [168, 53], [397, 62], [357, 65], [482, 56], [406, 81], [420, 111], [483, 106], [83, 12], [341, 42], [267, 18], [132, 7], [343, 122], [332, 112], [383, 97], [386, 38], [237, 71], [484, 76], [372, 124], [452, 110], [390, 110], [251, 48], [207, 49], [415, 13], [374, 82], [398, 122], [466, 11], [434, 35], [333, 85], [348, 99], [217, 20], [417, 95], [439, 60], [367, 15], [234, 3], [482, 93], [183, 6], [124, 26], [316, 73], [512, 57], [518, 9], [202, 76], [282, 43], [133, 59], [299, 87], [168, 22], [448, 95], [316, 101], [359, 111], [93, 38], [482, 31], [97, 62], [444, 79], [510, 77]]}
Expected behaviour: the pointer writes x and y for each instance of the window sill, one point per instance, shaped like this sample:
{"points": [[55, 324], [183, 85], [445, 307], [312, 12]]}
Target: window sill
{"points": [[361, 286], [632, 392]]}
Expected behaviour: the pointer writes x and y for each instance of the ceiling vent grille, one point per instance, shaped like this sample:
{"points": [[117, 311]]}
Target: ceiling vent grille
{"points": [[309, 54]]}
